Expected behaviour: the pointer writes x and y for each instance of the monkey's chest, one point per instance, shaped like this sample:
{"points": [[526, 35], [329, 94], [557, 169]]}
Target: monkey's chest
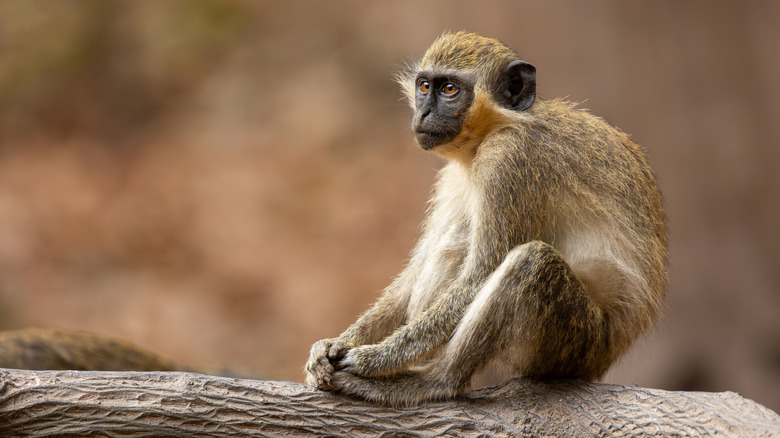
{"points": [[441, 266]]}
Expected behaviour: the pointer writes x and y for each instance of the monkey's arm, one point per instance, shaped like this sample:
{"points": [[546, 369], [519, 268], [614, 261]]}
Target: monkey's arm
{"points": [[382, 318], [385, 316], [415, 340]]}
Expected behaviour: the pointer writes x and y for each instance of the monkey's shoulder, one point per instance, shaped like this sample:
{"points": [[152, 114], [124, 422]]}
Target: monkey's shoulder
{"points": [[559, 136], [566, 123]]}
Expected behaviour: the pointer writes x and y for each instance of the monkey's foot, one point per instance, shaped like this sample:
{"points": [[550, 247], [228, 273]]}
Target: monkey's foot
{"points": [[408, 389]]}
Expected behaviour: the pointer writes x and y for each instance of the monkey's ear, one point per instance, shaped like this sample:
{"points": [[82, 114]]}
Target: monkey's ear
{"points": [[519, 89]]}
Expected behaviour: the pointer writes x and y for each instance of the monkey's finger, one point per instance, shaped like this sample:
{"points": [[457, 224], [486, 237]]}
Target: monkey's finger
{"points": [[324, 366], [339, 365], [326, 382], [337, 351]]}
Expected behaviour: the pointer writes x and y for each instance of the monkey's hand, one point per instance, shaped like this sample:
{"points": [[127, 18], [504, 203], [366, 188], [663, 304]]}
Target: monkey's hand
{"points": [[367, 361], [319, 368]]}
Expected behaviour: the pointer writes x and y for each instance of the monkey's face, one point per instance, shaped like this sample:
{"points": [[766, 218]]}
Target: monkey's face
{"points": [[442, 100]]}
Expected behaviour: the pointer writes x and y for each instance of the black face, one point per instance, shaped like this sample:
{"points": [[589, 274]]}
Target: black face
{"points": [[442, 101], [443, 98]]}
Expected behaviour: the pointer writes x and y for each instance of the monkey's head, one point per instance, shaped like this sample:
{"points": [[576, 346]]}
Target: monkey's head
{"points": [[464, 87]]}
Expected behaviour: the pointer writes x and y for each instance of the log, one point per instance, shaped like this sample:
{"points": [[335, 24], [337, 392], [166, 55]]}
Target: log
{"points": [[179, 404]]}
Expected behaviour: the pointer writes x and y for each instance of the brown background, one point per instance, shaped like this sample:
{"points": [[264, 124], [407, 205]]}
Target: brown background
{"points": [[227, 182]]}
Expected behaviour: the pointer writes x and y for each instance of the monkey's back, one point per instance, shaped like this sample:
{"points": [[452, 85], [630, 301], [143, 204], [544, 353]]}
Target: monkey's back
{"points": [[596, 201]]}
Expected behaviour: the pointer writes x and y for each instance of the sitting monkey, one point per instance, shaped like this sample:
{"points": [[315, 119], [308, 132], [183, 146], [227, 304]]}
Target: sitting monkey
{"points": [[544, 247]]}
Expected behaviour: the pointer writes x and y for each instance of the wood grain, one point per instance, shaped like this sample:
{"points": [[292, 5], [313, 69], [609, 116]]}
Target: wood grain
{"points": [[177, 404]]}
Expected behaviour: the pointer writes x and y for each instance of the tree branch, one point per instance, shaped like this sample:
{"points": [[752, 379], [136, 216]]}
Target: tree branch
{"points": [[176, 404]]}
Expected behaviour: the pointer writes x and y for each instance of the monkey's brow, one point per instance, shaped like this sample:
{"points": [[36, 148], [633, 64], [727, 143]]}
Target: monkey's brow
{"points": [[446, 74]]}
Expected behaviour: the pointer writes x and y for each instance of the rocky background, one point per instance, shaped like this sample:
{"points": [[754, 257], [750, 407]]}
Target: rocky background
{"points": [[227, 182]]}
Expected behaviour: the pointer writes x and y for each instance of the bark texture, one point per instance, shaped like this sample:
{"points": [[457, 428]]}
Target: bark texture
{"points": [[177, 404]]}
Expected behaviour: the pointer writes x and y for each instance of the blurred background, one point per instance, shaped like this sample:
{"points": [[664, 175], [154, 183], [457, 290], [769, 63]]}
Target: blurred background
{"points": [[225, 183]]}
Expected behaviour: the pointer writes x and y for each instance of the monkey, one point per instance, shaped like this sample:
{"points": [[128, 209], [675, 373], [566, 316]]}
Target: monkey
{"points": [[543, 250], [38, 348], [53, 349]]}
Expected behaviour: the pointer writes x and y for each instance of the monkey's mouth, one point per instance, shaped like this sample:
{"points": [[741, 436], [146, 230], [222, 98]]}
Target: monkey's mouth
{"points": [[430, 139]]}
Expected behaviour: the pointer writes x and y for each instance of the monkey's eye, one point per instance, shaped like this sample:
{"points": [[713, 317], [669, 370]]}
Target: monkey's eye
{"points": [[449, 89], [425, 87]]}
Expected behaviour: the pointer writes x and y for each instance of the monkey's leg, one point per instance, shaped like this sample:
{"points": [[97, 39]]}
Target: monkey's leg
{"points": [[532, 312]]}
